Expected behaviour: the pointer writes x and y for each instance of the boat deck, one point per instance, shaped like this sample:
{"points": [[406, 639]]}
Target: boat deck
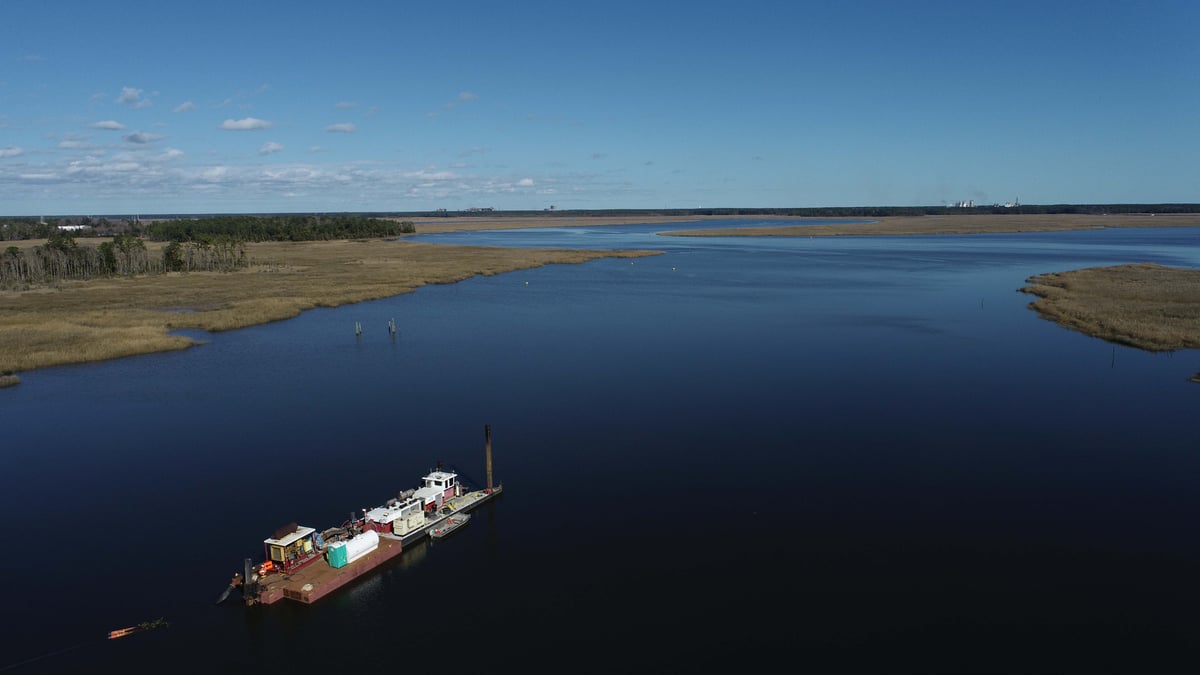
{"points": [[316, 580], [312, 582], [457, 505]]}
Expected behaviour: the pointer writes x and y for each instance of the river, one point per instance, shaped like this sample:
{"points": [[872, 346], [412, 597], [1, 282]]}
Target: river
{"points": [[830, 452]]}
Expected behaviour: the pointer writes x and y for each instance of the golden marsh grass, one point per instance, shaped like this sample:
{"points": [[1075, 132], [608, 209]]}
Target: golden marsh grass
{"points": [[78, 322], [1147, 306]]}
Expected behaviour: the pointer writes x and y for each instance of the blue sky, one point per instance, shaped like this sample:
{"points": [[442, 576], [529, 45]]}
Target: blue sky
{"points": [[159, 107]]}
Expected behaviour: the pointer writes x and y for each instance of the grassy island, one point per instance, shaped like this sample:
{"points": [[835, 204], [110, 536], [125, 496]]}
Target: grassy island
{"points": [[1147, 306], [112, 317]]}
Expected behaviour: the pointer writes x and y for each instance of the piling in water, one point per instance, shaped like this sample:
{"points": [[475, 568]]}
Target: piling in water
{"points": [[487, 435]]}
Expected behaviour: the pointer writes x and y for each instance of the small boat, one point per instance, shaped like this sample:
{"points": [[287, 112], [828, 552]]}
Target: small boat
{"points": [[143, 626], [449, 525]]}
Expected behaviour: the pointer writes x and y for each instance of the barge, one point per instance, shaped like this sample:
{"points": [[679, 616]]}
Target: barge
{"points": [[304, 565]]}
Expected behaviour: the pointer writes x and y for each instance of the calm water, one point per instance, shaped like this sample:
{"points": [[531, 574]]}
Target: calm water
{"points": [[842, 453]]}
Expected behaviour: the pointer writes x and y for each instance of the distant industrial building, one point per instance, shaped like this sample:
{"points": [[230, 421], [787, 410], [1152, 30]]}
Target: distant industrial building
{"points": [[970, 204]]}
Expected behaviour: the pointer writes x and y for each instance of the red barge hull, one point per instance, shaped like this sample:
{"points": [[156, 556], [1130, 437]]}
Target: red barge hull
{"points": [[313, 582]]}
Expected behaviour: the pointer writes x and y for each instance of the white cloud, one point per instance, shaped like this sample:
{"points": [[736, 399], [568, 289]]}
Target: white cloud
{"points": [[172, 180], [133, 96], [270, 147], [316, 148], [11, 151], [142, 138], [185, 106], [129, 95], [111, 125], [426, 175], [245, 124], [32, 57], [342, 128], [73, 144], [346, 104], [467, 96]]}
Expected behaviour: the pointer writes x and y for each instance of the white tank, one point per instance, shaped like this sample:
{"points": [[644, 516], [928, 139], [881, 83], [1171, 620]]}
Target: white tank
{"points": [[362, 544]]}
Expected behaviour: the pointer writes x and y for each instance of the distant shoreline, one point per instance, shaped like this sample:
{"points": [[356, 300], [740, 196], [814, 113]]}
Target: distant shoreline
{"points": [[1149, 307], [816, 226], [78, 322], [983, 223], [107, 318]]}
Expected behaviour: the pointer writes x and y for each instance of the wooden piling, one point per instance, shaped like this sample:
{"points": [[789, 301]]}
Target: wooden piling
{"points": [[487, 434]]}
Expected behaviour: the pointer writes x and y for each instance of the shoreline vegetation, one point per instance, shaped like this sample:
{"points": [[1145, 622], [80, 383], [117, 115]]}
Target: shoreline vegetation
{"points": [[106, 318], [74, 321], [1148, 306]]}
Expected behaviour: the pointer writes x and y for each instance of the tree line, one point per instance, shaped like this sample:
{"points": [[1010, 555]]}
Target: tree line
{"points": [[196, 244], [277, 228], [62, 258], [296, 227]]}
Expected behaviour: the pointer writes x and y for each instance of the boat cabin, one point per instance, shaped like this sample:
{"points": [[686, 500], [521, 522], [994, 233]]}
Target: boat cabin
{"points": [[437, 487], [398, 515], [291, 551]]}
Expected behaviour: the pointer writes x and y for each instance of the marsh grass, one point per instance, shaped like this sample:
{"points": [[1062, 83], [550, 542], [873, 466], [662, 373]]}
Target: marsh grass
{"points": [[9, 381], [965, 224], [84, 321], [1147, 306]]}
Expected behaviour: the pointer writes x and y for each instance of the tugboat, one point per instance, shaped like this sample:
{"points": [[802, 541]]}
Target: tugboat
{"points": [[304, 565]]}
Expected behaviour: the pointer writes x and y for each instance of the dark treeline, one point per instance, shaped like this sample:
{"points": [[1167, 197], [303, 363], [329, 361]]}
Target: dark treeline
{"points": [[287, 227], [62, 258], [276, 228]]}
